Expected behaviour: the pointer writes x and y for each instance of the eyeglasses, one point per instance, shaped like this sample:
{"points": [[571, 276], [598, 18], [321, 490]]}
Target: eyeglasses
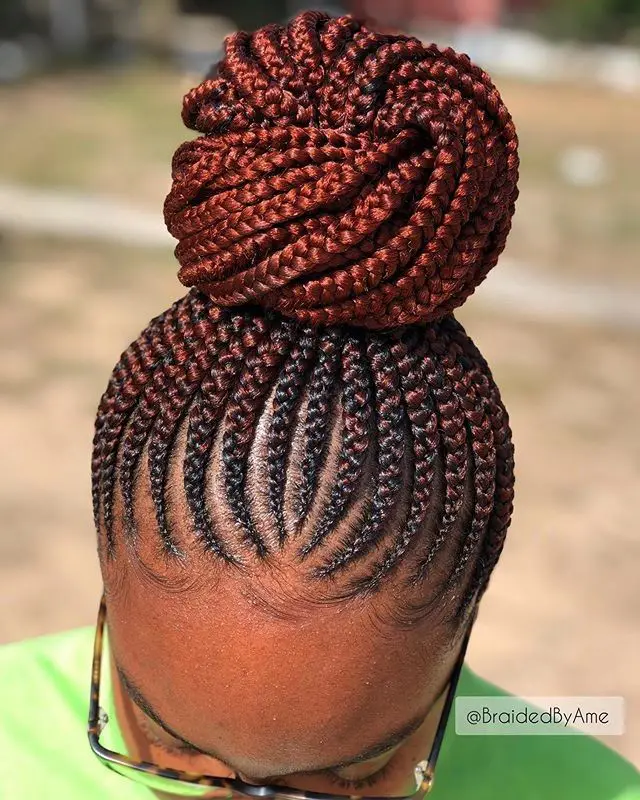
{"points": [[188, 784]]}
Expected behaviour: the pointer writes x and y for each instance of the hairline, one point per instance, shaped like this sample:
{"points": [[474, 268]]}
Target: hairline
{"points": [[373, 751]]}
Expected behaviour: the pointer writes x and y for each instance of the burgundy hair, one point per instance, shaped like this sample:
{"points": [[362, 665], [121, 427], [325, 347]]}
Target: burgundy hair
{"points": [[348, 191]]}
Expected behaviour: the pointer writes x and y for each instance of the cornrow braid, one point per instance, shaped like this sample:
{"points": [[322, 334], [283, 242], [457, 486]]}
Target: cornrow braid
{"points": [[287, 395], [504, 456], [204, 417], [183, 369], [150, 405], [356, 439], [387, 478], [453, 436], [245, 403], [347, 192], [425, 445], [130, 378], [480, 436], [320, 392], [141, 420]]}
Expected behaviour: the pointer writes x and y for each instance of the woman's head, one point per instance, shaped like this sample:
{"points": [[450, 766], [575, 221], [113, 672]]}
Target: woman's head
{"points": [[303, 471]]}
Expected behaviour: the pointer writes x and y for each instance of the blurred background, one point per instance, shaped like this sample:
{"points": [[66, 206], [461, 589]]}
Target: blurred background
{"points": [[90, 96]]}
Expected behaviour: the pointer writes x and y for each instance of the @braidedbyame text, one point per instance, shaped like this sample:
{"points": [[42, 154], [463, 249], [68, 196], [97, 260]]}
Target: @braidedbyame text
{"points": [[543, 716]]}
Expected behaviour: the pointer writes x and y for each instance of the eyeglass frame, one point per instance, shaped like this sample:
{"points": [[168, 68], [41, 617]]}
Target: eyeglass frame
{"points": [[98, 720]]}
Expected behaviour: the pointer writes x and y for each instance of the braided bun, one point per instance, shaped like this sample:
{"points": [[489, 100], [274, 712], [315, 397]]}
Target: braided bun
{"points": [[343, 176]]}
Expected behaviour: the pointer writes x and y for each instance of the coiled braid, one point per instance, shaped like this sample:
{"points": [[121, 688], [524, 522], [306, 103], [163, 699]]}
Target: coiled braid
{"points": [[348, 191]]}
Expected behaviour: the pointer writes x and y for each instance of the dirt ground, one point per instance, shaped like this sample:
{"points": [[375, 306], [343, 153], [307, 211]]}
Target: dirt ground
{"points": [[562, 615]]}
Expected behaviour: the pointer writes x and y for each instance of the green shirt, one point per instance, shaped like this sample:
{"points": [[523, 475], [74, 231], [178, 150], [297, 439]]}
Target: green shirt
{"points": [[44, 752]]}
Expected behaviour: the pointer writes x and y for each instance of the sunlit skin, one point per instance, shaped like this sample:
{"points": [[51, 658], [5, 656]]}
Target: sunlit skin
{"points": [[277, 692], [276, 701]]}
